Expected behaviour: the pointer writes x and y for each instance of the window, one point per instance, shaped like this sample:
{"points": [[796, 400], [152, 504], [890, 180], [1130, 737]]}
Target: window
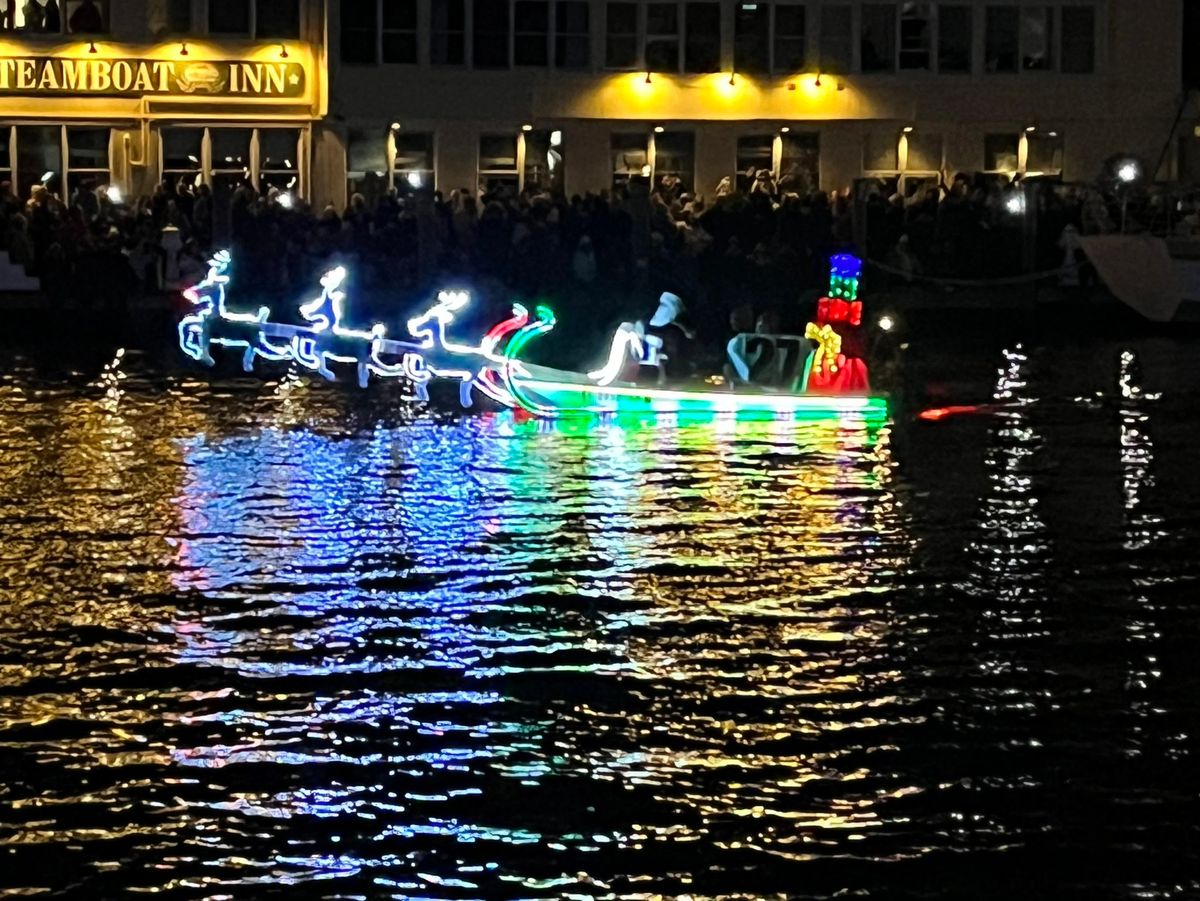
{"points": [[702, 46], [84, 16], [881, 152], [800, 163], [752, 38], [754, 152], [675, 158], [279, 18], [1044, 154], [230, 150], [532, 19], [1078, 40], [279, 158], [447, 33], [924, 152], [1037, 38], [181, 153], [878, 37], [790, 38], [498, 163], [6, 153], [1001, 153], [662, 37], [366, 163], [412, 164], [87, 158], [835, 38], [399, 39], [620, 35], [39, 158], [543, 161], [490, 34], [230, 17], [572, 39], [171, 17], [630, 156], [914, 35], [360, 26], [1000, 54], [954, 38]]}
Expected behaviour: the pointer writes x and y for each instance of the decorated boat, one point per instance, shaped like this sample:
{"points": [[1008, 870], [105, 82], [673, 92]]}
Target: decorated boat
{"points": [[818, 374]]}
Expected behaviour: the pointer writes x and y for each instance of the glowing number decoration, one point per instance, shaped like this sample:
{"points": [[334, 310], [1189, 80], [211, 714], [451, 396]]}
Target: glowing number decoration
{"points": [[325, 339]]}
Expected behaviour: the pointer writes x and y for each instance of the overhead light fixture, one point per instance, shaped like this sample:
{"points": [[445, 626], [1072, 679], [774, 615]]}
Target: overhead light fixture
{"points": [[1129, 172], [283, 54], [732, 78], [183, 51], [1053, 134], [395, 126], [647, 76], [1030, 129], [907, 129], [841, 85], [818, 81], [92, 47], [658, 129], [791, 85], [526, 127]]}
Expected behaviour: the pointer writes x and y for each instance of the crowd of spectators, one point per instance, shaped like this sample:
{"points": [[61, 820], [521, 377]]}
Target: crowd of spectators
{"points": [[46, 16], [593, 255]]}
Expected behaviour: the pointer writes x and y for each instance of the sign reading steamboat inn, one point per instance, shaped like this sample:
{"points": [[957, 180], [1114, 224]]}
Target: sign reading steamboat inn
{"points": [[55, 76]]}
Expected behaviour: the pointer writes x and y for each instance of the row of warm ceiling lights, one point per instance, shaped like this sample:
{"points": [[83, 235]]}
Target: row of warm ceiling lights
{"points": [[791, 85], [183, 50]]}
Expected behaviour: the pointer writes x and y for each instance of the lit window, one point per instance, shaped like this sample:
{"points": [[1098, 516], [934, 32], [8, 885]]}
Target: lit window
{"points": [[674, 161], [543, 169], [498, 163], [1001, 152], [754, 153], [412, 164], [1045, 154], [630, 156]]}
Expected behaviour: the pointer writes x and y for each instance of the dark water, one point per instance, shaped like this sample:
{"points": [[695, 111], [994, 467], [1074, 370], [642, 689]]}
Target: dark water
{"points": [[261, 637]]}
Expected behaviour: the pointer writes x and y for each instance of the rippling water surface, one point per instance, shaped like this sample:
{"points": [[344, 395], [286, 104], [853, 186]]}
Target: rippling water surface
{"points": [[269, 636]]}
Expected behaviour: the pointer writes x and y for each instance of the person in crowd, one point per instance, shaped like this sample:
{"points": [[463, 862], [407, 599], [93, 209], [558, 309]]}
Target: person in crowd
{"points": [[35, 16], [52, 23]]}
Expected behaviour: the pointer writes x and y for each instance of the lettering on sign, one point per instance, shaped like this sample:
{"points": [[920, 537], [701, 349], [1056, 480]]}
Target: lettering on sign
{"points": [[48, 76]]}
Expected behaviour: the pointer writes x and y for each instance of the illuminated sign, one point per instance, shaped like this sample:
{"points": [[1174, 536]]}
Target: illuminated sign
{"points": [[93, 76]]}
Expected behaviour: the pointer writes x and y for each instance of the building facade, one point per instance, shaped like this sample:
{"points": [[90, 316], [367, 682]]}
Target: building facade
{"points": [[130, 92], [581, 94]]}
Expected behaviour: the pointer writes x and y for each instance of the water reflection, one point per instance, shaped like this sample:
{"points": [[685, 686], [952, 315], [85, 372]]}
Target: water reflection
{"points": [[265, 633]]}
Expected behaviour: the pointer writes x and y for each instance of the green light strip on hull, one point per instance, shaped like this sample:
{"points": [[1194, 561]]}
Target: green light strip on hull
{"points": [[565, 398]]}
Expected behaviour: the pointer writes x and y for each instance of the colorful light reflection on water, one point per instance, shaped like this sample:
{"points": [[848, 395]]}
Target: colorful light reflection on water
{"points": [[259, 635]]}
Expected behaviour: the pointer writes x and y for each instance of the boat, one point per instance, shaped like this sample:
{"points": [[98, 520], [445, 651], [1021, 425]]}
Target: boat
{"points": [[819, 374]]}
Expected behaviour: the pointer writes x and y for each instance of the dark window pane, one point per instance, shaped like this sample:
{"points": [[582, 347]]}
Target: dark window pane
{"points": [[87, 148], [662, 56], [181, 148], [229, 17], [447, 34], [754, 152], [491, 34], [954, 38], [662, 37], [571, 16], [751, 37], [1045, 154], [790, 52], [177, 17], [87, 18], [230, 148], [1037, 38], [914, 35], [878, 38], [400, 47], [532, 20], [662, 18], [835, 38], [277, 18], [675, 157], [360, 31], [1078, 39], [1000, 54], [924, 151], [800, 163], [1000, 153], [702, 51], [366, 151], [620, 46], [399, 15], [572, 46]]}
